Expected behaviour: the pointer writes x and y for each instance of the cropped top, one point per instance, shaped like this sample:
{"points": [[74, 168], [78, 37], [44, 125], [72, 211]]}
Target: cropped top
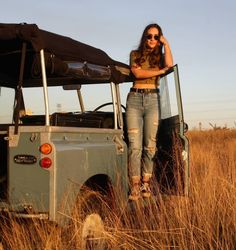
{"points": [[151, 82]]}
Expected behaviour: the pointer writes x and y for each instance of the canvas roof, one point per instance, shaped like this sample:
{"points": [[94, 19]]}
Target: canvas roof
{"points": [[60, 51]]}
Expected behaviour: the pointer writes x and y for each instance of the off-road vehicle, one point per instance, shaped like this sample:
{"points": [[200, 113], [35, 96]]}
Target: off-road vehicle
{"points": [[51, 147]]}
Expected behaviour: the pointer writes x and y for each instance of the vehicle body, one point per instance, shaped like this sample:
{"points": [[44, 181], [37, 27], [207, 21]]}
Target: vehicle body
{"points": [[47, 158]]}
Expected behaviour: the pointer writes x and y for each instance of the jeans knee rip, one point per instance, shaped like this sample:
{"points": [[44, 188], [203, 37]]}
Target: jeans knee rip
{"points": [[150, 149], [155, 123], [133, 131], [153, 139]]}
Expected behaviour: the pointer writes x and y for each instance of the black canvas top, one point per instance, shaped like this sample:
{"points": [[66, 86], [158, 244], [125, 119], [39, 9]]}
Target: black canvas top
{"points": [[67, 60]]}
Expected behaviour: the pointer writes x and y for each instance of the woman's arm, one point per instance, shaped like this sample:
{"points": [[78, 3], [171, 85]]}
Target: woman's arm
{"points": [[146, 73], [167, 55]]}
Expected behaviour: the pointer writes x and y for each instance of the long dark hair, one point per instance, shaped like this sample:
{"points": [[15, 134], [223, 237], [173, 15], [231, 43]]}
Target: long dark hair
{"points": [[155, 55]]}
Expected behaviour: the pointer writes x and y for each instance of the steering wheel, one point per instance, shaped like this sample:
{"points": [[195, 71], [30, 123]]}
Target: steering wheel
{"points": [[107, 104]]}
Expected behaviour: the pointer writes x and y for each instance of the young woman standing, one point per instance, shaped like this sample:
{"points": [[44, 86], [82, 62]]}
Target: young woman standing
{"points": [[147, 63]]}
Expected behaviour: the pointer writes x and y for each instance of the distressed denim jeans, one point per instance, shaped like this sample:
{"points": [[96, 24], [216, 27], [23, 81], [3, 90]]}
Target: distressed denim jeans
{"points": [[142, 116]]}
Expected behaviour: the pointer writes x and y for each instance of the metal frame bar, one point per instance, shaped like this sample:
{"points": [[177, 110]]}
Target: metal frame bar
{"points": [[179, 99], [120, 117], [45, 89], [183, 137], [18, 92], [80, 100], [114, 100]]}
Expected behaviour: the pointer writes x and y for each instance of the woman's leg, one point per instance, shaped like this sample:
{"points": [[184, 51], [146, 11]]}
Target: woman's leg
{"points": [[151, 119], [150, 128], [134, 119]]}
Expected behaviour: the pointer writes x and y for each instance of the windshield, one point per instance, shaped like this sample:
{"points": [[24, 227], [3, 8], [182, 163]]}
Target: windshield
{"points": [[168, 100]]}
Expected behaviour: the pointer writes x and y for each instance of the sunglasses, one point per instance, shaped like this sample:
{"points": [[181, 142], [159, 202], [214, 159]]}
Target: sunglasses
{"points": [[150, 36]]}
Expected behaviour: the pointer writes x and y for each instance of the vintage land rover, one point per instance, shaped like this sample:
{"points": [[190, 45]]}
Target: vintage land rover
{"points": [[51, 146]]}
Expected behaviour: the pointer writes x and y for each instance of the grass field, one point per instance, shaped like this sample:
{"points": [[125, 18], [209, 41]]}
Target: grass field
{"points": [[204, 220]]}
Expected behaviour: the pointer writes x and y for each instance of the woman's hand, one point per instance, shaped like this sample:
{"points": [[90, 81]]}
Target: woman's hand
{"points": [[167, 54], [164, 41], [164, 70]]}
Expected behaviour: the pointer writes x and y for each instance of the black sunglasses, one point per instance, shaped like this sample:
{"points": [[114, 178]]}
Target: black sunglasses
{"points": [[150, 36]]}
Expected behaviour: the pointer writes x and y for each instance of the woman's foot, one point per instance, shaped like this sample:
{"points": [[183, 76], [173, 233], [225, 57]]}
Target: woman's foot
{"points": [[135, 193], [146, 190]]}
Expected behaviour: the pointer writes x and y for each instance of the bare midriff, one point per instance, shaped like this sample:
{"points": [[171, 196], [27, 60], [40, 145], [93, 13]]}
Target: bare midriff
{"points": [[149, 83]]}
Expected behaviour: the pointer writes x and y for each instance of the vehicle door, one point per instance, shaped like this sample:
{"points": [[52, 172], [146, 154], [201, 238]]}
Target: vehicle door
{"points": [[172, 168]]}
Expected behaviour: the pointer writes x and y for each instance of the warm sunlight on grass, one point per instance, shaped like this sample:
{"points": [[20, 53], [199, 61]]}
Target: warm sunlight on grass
{"points": [[204, 220]]}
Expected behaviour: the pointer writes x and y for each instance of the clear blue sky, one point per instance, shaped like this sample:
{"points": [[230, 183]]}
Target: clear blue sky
{"points": [[201, 34]]}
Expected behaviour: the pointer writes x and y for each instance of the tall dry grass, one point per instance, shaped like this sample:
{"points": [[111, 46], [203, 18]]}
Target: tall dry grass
{"points": [[204, 220]]}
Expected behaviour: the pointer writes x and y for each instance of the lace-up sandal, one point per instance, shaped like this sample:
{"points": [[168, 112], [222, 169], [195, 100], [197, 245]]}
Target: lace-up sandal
{"points": [[146, 190], [135, 192]]}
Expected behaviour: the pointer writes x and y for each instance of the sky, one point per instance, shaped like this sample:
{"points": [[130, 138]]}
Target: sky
{"points": [[201, 34]]}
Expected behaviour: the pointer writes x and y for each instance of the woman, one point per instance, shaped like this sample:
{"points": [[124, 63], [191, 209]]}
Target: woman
{"points": [[147, 63]]}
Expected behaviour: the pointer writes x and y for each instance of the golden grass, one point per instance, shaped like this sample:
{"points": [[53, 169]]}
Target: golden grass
{"points": [[204, 220]]}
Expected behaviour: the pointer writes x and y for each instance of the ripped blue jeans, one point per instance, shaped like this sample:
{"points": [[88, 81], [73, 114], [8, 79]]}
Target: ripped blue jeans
{"points": [[142, 116]]}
